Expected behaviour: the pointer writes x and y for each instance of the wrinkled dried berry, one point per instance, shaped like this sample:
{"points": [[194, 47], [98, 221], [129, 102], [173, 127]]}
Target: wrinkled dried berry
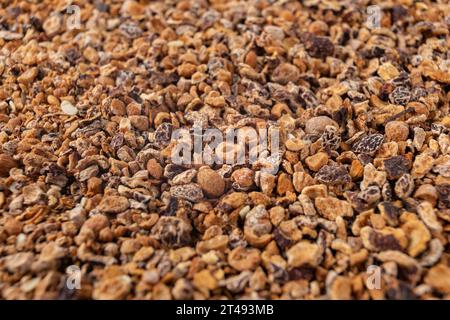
{"points": [[444, 195], [318, 47], [130, 30], [191, 192], [333, 175], [172, 232], [163, 134], [368, 144], [404, 186], [400, 95], [396, 166], [330, 138]]}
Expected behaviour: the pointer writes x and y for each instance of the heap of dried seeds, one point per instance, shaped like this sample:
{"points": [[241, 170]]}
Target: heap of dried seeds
{"points": [[89, 193]]}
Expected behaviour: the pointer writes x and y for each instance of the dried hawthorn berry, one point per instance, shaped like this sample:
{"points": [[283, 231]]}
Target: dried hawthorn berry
{"points": [[385, 91], [130, 30], [368, 144], [389, 212], [384, 241], [172, 207], [402, 80], [417, 93], [401, 291], [404, 186], [330, 138], [302, 272], [400, 95], [173, 232], [163, 133], [399, 13], [281, 240], [396, 166], [333, 175], [444, 195], [307, 98], [318, 47]]}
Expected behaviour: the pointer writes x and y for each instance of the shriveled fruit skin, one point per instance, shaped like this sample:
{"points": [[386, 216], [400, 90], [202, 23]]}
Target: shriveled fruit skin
{"points": [[216, 150]]}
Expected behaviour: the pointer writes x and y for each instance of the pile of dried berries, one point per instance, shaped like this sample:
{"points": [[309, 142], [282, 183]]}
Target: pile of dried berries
{"points": [[91, 205]]}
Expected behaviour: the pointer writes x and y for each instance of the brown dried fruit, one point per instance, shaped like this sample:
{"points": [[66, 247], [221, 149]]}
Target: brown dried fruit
{"points": [[191, 192], [244, 259], [243, 178], [418, 235], [96, 223], [404, 186], [19, 263], [428, 216], [113, 204], [163, 134], [330, 138], [331, 208], [314, 191], [400, 95], [381, 240], [87, 116], [257, 226], [318, 125], [438, 277], [13, 226], [389, 212], [211, 182], [154, 168], [317, 161], [205, 280], [368, 144], [301, 180], [32, 193], [284, 184], [427, 192], [318, 47], [333, 175], [28, 76], [304, 253], [112, 288], [387, 71], [372, 176], [396, 131], [6, 164], [422, 165], [285, 73], [173, 232], [341, 289], [396, 166]]}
